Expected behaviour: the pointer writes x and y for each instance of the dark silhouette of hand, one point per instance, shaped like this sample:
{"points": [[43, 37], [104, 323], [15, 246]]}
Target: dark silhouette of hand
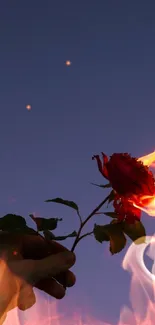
{"points": [[28, 261]]}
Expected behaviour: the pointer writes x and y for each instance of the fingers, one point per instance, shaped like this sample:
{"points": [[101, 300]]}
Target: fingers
{"points": [[51, 287], [67, 279], [40, 266], [33, 271], [26, 298], [52, 266], [55, 289]]}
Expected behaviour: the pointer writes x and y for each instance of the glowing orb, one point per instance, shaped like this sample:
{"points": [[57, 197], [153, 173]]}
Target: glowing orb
{"points": [[28, 107], [68, 63]]}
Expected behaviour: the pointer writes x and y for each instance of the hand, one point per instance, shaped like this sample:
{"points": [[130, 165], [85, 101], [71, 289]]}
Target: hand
{"points": [[28, 261]]}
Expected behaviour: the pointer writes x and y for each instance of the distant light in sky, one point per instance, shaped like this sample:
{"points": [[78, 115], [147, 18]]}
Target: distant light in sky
{"points": [[68, 63], [28, 107]]}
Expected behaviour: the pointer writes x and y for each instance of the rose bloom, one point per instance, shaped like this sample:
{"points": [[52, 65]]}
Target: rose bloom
{"points": [[126, 210], [131, 181]]}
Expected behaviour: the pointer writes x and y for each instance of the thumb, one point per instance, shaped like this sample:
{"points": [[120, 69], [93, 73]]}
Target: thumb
{"points": [[51, 266]]}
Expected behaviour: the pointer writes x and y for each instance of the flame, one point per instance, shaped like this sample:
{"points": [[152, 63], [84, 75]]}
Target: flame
{"points": [[142, 294], [46, 313], [147, 203], [148, 160], [149, 209], [142, 291]]}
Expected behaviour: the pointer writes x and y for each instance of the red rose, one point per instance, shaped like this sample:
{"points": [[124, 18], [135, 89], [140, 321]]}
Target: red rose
{"points": [[127, 175], [132, 182], [125, 210]]}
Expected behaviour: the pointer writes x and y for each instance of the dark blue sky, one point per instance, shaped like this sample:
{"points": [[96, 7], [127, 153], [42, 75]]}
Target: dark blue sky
{"points": [[105, 101]]}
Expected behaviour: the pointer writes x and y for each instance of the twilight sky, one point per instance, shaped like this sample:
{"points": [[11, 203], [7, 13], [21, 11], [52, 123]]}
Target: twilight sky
{"points": [[105, 101]]}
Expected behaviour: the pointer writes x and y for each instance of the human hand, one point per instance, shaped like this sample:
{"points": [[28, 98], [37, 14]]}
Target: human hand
{"points": [[28, 261]]}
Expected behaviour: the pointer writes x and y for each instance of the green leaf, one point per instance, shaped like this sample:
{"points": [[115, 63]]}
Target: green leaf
{"points": [[49, 235], [12, 222], [134, 231], [70, 204], [45, 224], [111, 214], [112, 233], [102, 186], [100, 233]]}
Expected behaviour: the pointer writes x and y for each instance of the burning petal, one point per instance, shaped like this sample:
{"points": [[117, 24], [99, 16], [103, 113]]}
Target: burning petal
{"points": [[126, 210]]}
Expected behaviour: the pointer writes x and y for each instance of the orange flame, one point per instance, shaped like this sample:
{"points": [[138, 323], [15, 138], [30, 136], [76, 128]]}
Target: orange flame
{"points": [[147, 203], [148, 160]]}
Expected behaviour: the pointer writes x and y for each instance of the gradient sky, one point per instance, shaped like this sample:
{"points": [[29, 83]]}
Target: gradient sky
{"points": [[105, 101]]}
